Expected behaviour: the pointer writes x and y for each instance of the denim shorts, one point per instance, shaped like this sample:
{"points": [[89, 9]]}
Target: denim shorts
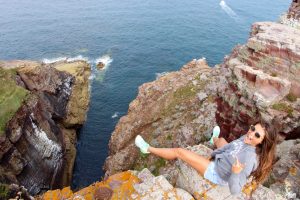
{"points": [[211, 175]]}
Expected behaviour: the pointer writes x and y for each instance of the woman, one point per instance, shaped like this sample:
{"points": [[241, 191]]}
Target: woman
{"points": [[251, 154]]}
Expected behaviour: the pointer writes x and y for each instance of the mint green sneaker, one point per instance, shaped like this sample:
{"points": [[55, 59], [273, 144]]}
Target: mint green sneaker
{"points": [[216, 133], [140, 143]]}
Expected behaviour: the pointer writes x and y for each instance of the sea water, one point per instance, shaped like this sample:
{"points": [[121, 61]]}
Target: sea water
{"points": [[137, 40]]}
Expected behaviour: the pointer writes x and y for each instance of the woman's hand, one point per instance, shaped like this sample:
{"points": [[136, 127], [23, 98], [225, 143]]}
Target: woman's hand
{"points": [[237, 167]]}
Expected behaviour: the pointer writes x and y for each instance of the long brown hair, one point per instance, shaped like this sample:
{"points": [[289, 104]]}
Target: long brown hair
{"points": [[266, 152]]}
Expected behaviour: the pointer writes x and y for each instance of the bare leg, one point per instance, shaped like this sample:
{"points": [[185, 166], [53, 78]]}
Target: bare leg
{"points": [[198, 162], [220, 142]]}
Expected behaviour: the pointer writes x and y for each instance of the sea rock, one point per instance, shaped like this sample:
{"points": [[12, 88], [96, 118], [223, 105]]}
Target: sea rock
{"points": [[100, 65], [37, 150]]}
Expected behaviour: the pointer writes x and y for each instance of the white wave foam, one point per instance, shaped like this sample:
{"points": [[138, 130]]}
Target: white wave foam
{"points": [[228, 10], [77, 58], [106, 60], [53, 60], [158, 75], [65, 59], [116, 114]]}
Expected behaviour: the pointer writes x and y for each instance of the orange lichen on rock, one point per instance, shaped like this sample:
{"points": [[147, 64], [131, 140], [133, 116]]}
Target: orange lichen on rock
{"points": [[118, 186]]}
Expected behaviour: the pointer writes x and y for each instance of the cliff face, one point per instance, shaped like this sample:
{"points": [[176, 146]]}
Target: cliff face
{"points": [[37, 144], [262, 81], [175, 110], [257, 81]]}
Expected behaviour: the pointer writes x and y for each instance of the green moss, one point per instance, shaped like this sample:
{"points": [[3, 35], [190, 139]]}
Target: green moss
{"points": [[185, 92], [158, 164], [169, 137], [11, 97], [291, 97], [283, 107], [4, 191], [274, 74], [181, 95]]}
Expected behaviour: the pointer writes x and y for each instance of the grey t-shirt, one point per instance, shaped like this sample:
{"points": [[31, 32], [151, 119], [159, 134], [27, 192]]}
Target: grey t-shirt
{"points": [[226, 156]]}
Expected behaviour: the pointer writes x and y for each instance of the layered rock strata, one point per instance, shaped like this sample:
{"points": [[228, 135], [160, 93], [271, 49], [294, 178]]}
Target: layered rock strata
{"points": [[37, 145]]}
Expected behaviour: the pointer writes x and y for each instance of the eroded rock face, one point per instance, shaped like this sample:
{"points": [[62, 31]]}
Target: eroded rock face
{"points": [[263, 80], [36, 150]]}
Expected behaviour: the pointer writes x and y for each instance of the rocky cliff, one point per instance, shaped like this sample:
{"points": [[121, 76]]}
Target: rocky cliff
{"points": [[257, 81], [42, 105]]}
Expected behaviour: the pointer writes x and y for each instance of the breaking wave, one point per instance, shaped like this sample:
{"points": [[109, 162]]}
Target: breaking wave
{"points": [[116, 114], [64, 59]]}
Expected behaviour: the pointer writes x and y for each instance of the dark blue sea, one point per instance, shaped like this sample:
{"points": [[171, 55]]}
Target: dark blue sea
{"points": [[136, 38]]}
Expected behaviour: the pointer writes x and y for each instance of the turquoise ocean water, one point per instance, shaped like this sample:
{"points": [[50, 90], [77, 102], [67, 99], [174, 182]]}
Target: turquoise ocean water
{"points": [[139, 38]]}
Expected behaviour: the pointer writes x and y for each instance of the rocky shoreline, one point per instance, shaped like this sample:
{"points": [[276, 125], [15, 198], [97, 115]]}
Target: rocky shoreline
{"points": [[38, 141]]}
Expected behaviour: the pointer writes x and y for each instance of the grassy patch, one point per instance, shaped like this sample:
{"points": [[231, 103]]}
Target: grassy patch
{"points": [[291, 97], [11, 97], [169, 137], [180, 95], [274, 74], [265, 62], [4, 191], [283, 107], [158, 164], [243, 54]]}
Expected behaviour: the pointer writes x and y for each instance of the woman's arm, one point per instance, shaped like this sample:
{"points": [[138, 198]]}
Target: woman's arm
{"points": [[239, 175]]}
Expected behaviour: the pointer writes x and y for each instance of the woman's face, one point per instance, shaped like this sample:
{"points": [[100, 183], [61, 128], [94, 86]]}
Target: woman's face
{"points": [[255, 135]]}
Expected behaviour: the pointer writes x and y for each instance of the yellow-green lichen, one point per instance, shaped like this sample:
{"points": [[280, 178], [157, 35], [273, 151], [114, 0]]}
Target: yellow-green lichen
{"points": [[11, 97]]}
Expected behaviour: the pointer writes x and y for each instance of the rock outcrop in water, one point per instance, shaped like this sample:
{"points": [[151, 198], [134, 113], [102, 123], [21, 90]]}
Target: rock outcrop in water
{"points": [[37, 138], [257, 81]]}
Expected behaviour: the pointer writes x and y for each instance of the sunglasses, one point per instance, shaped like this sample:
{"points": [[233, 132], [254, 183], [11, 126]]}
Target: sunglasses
{"points": [[256, 134]]}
